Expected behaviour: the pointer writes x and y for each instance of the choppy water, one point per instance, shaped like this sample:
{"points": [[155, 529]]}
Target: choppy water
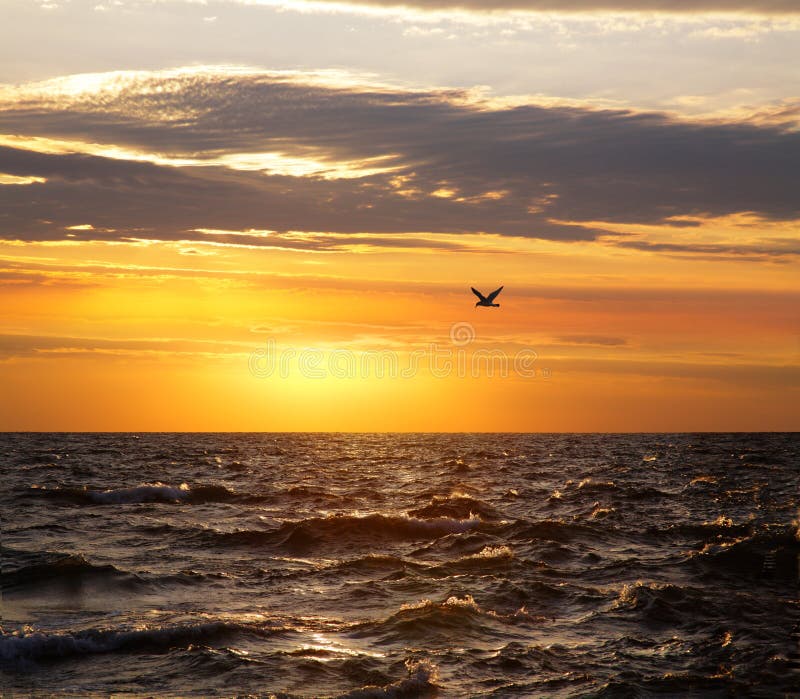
{"points": [[400, 565]]}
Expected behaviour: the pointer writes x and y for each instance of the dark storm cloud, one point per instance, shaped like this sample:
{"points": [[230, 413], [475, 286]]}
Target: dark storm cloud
{"points": [[458, 164]]}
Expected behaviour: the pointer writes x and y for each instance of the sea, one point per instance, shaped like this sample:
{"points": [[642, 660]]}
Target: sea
{"points": [[399, 565]]}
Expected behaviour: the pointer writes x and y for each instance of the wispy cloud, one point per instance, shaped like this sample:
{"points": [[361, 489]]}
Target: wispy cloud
{"points": [[601, 340], [43, 346], [6, 179], [662, 6], [494, 7], [779, 249]]}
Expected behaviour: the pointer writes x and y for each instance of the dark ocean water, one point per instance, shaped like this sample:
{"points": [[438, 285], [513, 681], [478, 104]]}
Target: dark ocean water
{"points": [[372, 565]]}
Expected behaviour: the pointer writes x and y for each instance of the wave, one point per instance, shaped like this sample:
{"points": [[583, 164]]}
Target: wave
{"points": [[674, 605], [458, 505], [680, 606], [310, 492], [557, 530], [63, 568], [599, 512], [489, 558], [452, 462], [517, 656], [423, 619], [675, 684], [703, 481], [36, 646], [307, 533], [427, 620], [489, 553], [591, 485], [722, 526], [645, 493], [646, 596], [23, 571], [768, 553], [421, 681], [143, 493], [375, 563]]}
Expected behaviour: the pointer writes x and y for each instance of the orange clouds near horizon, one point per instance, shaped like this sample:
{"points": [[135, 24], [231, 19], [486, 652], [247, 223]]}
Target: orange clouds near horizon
{"points": [[115, 345]]}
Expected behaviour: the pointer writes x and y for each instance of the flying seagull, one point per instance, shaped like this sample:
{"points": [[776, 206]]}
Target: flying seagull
{"points": [[487, 300]]}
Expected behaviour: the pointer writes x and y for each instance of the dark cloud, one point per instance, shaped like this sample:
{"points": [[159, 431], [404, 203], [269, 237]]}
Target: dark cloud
{"points": [[532, 170], [777, 251]]}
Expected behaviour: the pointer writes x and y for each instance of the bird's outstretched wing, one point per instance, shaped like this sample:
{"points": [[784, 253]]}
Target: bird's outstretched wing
{"points": [[478, 293], [491, 297]]}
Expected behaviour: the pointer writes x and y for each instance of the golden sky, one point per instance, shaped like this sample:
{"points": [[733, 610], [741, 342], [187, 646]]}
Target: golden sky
{"points": [[250, 243]]}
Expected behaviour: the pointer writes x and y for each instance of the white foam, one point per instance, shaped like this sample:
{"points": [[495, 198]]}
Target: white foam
{"points": [[467, 602]]}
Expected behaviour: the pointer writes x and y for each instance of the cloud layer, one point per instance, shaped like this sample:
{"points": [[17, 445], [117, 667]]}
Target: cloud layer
{"points": [[756, 7], [169, 155]]}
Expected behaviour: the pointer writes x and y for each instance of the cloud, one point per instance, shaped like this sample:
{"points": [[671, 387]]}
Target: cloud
{"points": [[164, 155], [747, 302], [778, 251], [671, 7], [741, 374], [17, 180], [601, 340], [14, 346]]}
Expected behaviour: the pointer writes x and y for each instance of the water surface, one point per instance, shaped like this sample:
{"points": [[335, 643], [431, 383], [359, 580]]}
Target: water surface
{"points": [[362, 565]]}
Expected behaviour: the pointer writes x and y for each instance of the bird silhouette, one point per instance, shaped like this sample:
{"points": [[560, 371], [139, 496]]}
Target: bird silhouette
{"points": [[487, 301]]}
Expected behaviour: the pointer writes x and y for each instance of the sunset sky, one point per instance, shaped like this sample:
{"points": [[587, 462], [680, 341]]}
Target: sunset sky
{"points": [[184, 184]]}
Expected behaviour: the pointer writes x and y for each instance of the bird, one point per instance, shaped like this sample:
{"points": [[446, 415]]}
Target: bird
{"points": [[487, 300]]}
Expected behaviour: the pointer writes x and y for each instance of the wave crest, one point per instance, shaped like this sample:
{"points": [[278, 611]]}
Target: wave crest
{"points": [[21, 646], [422, 678], [768, 553], [427, 621], [458, 505], [308, 532], [60, 568]]}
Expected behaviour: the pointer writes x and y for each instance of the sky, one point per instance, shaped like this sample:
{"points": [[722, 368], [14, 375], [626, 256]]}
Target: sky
{"points": [[268, 214]]}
